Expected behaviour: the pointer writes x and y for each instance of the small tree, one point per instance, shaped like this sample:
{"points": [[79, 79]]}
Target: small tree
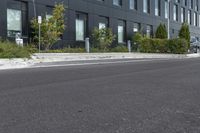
{"points": [[51, 29], [136, 40], [184, 33], [103, 38], [161, 32]]}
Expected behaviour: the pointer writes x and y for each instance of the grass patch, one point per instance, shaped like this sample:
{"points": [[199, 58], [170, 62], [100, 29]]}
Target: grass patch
{"points": [[11, 50]]}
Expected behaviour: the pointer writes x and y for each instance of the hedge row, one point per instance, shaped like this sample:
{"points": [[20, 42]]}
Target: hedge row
{"points": [[175, 46]]}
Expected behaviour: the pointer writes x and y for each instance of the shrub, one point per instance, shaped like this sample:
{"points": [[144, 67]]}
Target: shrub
{"points": [[136, 40], [184, 33], [102, 38], [66, 50], [74, 50], [178, 46], [175, 46], [11, 50], [161, 32], [97, 50], [31, 48], [120, 48]]}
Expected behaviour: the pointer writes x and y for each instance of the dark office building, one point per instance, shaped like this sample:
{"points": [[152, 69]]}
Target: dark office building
{"points": [[124, 17]]}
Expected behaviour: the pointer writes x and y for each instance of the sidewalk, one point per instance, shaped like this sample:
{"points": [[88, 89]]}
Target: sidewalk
{"points": [[59, 57]]}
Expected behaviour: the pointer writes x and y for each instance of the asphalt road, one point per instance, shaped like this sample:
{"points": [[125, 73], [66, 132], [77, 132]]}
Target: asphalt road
{"points": [[130, 97]]}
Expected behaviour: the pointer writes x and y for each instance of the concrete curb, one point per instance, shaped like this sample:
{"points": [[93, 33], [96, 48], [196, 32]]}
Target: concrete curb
{"points": [[56, 57]]}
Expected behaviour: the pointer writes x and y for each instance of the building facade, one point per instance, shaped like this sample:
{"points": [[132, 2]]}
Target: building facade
{"points": [[124, 17]]}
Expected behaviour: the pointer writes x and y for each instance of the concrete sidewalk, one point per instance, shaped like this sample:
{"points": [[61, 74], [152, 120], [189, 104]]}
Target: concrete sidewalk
{"points": [[59, 57]]}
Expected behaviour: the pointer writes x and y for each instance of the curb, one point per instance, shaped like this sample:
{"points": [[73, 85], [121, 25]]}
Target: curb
{"points": [[59, 57]]}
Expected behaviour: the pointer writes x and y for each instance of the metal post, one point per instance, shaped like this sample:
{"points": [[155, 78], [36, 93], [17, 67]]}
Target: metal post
{"points": [[168, 20], [39, 36], [129, 46], [87, 45], [39, 22]]}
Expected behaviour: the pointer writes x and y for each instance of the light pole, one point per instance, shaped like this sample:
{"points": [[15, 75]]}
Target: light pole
{"points": [[168, 20]]}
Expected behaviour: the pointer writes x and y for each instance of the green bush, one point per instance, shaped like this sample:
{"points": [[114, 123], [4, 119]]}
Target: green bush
{"points": [[31, 48], [97, 50], [184, 33], [161, 32], [136, 39], [102, 38], [74, 50], [11, 50], [120, 48], [66, 50], [175, 46], [178, 46]]}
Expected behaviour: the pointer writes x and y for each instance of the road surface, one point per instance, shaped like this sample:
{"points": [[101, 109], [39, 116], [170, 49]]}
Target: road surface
{"points": [[130, 97]]}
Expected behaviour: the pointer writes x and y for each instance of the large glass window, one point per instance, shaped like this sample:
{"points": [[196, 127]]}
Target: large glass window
{"points": [[17, 19], [49, 12], [14, 22], [195, 19], [157, 7], [189, 17], [166, 9], [133, 4], [197, 5], [146, 6], [182, 15], [80, 30], [190, 4], [136, 27], [175, 10], [121, 31], [117, 2], [103, 22], [199, 20], [81, 26], [149, 30]]}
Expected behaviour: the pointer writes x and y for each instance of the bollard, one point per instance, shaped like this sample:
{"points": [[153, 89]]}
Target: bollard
{"points": [[87, 44], [129, 46]]}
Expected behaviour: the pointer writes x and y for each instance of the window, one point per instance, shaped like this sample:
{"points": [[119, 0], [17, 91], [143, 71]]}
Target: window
{"points": [[166, 9], [190, 4], [117, 2], [195, 19], [136, 27], [189, 17], [199, 20], [121, 31], [81, 26], [149, 30], [49, 12], [133, 4], [146, 6], [196, 5], [177, 1], [182, 15], [17, 19], [14, 22], [157, 7], [103, 22], [175, 9]]}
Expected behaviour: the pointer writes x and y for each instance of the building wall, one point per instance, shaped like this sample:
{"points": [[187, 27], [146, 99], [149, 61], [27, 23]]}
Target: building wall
{"points": [[95, 8]]}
